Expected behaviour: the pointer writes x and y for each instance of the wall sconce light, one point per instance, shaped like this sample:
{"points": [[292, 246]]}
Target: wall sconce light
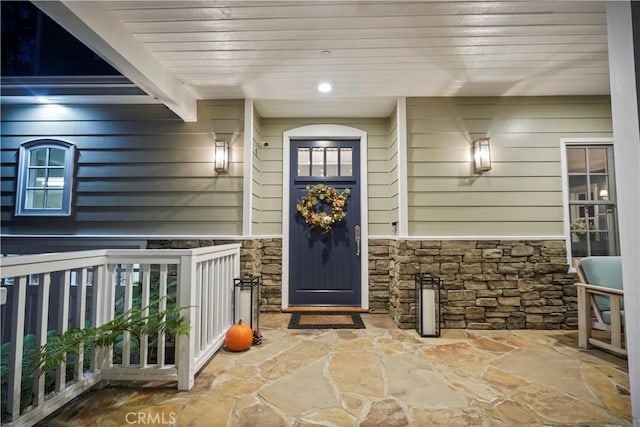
{"points": [[481, 155], [221, 156]]}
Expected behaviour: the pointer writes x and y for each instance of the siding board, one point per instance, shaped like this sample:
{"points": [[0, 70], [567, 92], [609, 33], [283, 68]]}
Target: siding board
{"points": [[487, 198], [164, 184], [522, 194], [500, 169], [505, 154], [139, 168]]}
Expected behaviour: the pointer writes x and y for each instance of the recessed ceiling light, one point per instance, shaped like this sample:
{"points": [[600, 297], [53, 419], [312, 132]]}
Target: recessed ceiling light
{"points": [[325, 53], [325, 87]]}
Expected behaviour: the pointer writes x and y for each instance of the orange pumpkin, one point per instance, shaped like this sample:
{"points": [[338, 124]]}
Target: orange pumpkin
{"points": [[239, 337]]}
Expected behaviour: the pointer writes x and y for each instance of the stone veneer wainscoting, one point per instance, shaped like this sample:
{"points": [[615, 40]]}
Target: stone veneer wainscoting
{"points": [[488, 284]]}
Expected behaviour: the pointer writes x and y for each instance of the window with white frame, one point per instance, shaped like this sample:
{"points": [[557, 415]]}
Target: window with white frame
{"points": [[45, 178], [592, 200]]}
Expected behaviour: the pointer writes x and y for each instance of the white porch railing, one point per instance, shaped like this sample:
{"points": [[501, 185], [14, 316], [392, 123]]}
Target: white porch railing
{"points": [[71, 290]]}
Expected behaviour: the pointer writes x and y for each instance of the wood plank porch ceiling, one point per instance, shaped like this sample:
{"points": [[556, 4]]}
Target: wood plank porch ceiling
{"points": [[377, 50]]}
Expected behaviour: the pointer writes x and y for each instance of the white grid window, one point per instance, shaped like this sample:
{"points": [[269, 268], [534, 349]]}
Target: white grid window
{"points": [[45, 178]]}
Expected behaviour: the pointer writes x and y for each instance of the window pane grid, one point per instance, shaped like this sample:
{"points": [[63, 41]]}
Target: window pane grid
{"points": [[591, 202], [45, 183]]}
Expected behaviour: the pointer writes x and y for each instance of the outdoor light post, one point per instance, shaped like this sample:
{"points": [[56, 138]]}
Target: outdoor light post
{"points": [[428, 304]]}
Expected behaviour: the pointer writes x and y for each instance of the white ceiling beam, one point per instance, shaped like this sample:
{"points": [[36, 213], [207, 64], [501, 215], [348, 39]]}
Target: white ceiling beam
{"points": [[95, 25]]}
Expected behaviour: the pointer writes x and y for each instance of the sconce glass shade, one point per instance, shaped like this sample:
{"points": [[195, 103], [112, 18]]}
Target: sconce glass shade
{"points": [[221, 156], [481, 155]]}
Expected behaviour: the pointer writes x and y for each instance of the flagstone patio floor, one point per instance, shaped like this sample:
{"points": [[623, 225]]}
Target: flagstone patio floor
{"points": [[380, 376]]}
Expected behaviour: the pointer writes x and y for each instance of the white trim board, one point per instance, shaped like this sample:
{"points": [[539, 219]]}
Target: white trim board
{"points": [[139, 236], [327, 132], [550, 237]]}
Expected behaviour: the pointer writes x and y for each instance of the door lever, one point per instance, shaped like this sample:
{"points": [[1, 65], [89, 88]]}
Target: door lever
{"points": [[357, 236]]}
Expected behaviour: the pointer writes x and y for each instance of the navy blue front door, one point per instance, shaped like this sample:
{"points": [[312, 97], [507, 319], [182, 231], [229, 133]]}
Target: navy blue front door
{"points": [[324, 267]]}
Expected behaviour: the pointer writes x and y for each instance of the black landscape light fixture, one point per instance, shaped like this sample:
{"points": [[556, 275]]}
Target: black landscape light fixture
{"points": [[246, 300], [428, 304]]}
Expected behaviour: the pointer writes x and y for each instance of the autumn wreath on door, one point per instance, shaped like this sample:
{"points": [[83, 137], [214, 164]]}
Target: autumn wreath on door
{"points": [[323, 194]]}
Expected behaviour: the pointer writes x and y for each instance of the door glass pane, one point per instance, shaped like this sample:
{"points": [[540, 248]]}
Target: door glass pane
{"points": [[346, 166], [576, 160], [54, 199], [56, 157], [317, 161], [303, 161], [597, 160], [35, 199], [332, 162], [36, 177]]}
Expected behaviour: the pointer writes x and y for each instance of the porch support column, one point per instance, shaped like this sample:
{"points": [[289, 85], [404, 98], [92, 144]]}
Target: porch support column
{"points": [[403, 188], [247, 188], [624, 57]]}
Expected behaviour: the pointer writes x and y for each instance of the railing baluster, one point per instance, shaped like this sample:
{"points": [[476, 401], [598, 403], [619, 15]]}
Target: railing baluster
{"points": [[218, 282], [212, 302], [197, 330], [41, 334], [81, 307], [205, 308], [128, 303], [146, 289], [162, 293], [63, 325], [227, 277], [110, 293], [17, 340]]}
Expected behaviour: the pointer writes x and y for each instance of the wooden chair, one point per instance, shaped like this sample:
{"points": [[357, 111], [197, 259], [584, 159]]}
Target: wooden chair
{"points": [[600, 303]]}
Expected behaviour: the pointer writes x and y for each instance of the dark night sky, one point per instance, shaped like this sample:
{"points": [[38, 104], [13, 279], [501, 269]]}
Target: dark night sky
{"points": [[34, 45]]}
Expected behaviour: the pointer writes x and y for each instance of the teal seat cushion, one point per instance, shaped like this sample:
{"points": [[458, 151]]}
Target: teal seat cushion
{"points": [[606, 316], [605, 271]]}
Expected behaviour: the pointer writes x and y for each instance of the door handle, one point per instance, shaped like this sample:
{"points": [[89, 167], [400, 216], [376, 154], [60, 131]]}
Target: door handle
{"points": [[357, 236]]}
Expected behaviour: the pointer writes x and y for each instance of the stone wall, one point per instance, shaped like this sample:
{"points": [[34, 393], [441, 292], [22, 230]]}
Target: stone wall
{"points": [[380, 266], [271, 271], [488, 284]]}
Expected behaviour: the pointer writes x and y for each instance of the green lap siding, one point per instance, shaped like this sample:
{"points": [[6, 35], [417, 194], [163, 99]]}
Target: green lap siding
{"points": [[522, 194]]}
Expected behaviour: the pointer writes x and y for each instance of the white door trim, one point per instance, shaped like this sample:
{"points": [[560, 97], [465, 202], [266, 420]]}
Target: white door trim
{"points": [[328, 132]]}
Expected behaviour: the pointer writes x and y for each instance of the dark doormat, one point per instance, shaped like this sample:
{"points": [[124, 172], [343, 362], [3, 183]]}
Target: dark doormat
{"points": [[326, 320]]}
